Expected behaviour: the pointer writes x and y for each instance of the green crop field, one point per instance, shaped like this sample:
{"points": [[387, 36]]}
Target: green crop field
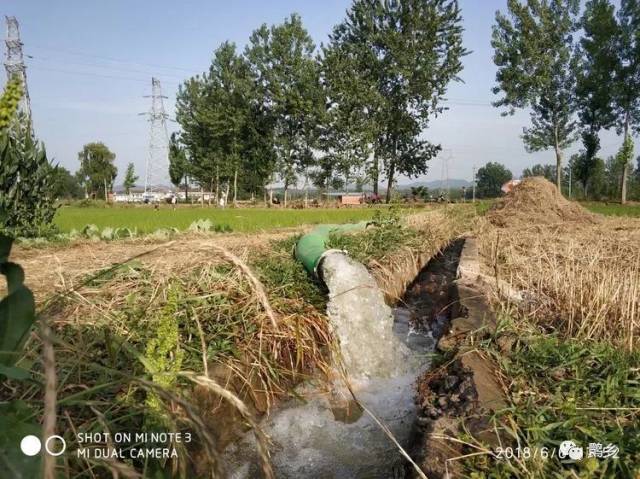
{"points": [[613, 209], [147, 220]]}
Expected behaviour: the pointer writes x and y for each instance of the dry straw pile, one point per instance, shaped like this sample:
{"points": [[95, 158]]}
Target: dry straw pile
{"points": [[536, 201], [580, 273]]}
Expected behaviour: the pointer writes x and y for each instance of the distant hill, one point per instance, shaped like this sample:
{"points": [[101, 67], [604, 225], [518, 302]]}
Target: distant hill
{"points": [[436, 184]]}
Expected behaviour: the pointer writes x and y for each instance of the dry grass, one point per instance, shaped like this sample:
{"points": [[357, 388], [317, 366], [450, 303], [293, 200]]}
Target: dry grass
{"points": [[255, 343], [582, 280], [195, 334], [436, 229]]}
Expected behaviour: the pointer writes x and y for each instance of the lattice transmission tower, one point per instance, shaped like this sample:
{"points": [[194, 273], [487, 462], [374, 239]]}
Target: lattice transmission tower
{"points": [[14, 65], [157, 168]]}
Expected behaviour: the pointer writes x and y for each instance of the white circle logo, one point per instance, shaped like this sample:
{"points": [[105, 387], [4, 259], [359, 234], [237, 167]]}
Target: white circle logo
{"points": [[59, 438], [30, 445]]}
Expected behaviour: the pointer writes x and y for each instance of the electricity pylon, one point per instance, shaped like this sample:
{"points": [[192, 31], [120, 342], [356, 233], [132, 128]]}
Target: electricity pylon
{"points": [[14, 65], [157, 168]]}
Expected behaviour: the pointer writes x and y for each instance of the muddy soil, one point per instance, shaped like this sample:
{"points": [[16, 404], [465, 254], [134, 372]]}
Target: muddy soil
{"points": [[430, 301], [427, 308]]}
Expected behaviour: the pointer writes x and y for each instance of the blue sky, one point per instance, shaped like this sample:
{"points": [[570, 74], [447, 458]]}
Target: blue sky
{"points": [[91, 62]]}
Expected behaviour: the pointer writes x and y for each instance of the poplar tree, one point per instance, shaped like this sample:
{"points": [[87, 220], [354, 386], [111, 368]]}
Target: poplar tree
{"points": [[287, 75], [595, 96], [178, 165], [401, 56], [534, 52], [130, 178], [627, 86]]}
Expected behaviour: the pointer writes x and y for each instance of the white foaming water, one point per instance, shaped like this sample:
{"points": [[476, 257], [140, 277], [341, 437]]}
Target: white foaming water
{"points": [[361, 320], [312, 438]]}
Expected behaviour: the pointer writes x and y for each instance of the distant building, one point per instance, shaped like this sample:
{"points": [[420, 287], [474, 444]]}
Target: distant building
{"points": [[137, 195], [345, 198], [159, 194], [510, 185]]}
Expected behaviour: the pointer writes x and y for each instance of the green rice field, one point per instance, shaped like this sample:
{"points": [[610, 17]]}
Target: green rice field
{"points": [[613, 209], [147, 220]]}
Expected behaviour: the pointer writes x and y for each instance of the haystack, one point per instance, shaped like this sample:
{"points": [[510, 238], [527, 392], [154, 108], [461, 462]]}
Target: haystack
{"points": [[536, 201]]}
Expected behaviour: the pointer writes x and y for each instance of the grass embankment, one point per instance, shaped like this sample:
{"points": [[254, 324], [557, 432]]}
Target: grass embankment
{"points": [[567, 353], [155, 344], [559, 388], [146, 220]]}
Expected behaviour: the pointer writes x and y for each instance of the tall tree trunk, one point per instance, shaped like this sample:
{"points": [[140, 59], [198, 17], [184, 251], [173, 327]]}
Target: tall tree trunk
{"points": [[186, 189], [217, 186], [235, 187], [625, 167], [559, 169], [286, 188], [392, 168], [556, 145], [375, 173]]}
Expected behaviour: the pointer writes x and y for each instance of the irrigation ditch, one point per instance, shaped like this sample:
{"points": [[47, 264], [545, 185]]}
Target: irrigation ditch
{"points": [[385, 396]]}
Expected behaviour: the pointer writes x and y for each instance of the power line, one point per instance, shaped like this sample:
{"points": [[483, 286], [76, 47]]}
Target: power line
{"points": [[104, 67], [97, 75], [111, 59]]}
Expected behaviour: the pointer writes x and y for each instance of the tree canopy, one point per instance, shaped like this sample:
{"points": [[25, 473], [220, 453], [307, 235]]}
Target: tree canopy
{"points": [[130, 178], [490, 179], [397, 59], [534, 53], [97, 169]]}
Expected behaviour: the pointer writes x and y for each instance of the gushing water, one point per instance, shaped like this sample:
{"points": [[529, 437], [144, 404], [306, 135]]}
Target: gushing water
{"points": [[362, 322], [327, 435]]}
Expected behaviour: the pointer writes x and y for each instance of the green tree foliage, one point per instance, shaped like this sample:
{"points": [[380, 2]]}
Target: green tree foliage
{"points": [[627, 82], [397, 60], [589, 173], [346, 132], [26, 200], [420, 192], [623, 160], [225, 132], [97, 169], [178, 164], [547, 171], [595, 97], [287, 75], [130, 178], [534, 49], [490, 179], [64, 184]]}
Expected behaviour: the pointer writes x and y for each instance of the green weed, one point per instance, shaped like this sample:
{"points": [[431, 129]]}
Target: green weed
{"points": [[566, 389], [385, 234]]}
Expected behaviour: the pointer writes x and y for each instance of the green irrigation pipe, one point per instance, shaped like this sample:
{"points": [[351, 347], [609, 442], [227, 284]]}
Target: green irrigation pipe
{"points": [[312, 247]]}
